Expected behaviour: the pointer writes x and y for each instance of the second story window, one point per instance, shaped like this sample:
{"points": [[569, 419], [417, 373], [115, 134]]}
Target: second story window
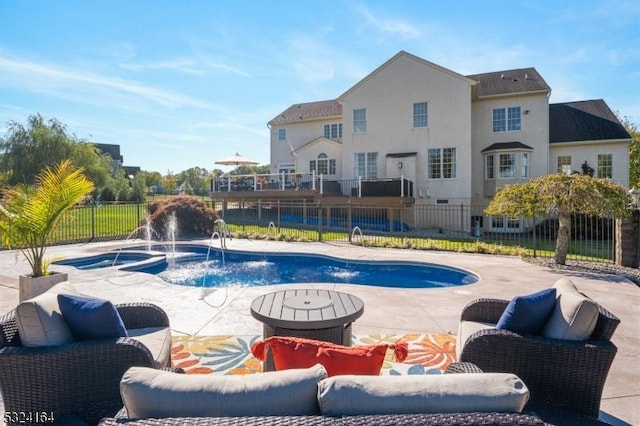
{"points": [[359, 120], [507, 119], [282, 134], [333, 131], [420, 117]]}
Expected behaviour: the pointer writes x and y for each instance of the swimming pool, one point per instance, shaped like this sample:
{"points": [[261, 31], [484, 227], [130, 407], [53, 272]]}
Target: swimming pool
{"points": [[209, 267], [203, 266]]}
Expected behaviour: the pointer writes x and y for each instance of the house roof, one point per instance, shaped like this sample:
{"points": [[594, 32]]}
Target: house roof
{"points": [[590, 120], [523, 80], [506, 145], [401, 54], [309, 111], [315, 141], [111, 149]]}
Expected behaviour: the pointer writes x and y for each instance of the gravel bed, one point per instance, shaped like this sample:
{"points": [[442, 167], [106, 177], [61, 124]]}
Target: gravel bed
{"points": [[632, 274]]}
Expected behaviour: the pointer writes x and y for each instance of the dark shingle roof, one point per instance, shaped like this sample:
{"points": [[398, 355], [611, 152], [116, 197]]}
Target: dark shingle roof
{"points": [[111, 149], [584, 121], [309, 111], [521, 80], [506, 145]]}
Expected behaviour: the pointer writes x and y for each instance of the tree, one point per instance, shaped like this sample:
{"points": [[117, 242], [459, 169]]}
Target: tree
{"points": [[97, 165], [194, 180], [138, 189], [564, 195], [169, 183], [30, 215], [28, 149], [634, 151]]}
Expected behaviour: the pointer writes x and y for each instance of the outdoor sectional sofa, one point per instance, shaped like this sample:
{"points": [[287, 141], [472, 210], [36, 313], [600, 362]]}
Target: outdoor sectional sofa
{"points": [[309, 397]]}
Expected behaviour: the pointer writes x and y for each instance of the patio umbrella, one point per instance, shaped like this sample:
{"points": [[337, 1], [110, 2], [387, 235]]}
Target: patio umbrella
{"points": [[237, 160]]}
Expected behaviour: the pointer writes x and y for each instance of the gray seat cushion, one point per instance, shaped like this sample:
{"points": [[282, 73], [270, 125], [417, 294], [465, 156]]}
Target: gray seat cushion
{"points": [[157, 340]]}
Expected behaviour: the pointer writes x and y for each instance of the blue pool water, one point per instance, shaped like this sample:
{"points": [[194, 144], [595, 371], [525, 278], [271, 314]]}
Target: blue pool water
{"points": [[206, 268]]}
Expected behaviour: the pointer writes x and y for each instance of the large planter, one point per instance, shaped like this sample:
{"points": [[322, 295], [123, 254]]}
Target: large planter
{"points": [[32, 287]]}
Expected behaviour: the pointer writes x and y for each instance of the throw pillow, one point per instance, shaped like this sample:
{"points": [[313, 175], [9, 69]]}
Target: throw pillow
{"points": [[296, 352], [147, 392], [90, 318], [528, 314], [574, 316], [39, 320], [446, 393]]}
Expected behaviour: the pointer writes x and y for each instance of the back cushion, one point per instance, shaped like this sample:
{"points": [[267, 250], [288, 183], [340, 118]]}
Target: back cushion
{"points": [[446, 393], [574, 316], [91, 318], [528, 314], [296, 352], [147, 392], [39, 320]]}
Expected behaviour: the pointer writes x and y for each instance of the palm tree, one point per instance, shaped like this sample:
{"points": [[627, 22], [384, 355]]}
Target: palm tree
{"points": [[30, 215]]}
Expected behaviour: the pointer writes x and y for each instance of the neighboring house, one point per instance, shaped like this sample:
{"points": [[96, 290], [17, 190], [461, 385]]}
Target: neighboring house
{"points": [[117, 160], [456, 138]]}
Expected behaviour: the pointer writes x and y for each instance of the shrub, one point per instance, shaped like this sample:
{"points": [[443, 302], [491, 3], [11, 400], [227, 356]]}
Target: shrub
{"points": [[194, 217]]}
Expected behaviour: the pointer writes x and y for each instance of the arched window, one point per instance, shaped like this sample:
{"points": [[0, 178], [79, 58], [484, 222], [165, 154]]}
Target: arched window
{"points": [[323, 165]]}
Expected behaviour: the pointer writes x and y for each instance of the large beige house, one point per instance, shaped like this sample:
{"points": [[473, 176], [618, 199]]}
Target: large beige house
{"points": [[456, 138]]}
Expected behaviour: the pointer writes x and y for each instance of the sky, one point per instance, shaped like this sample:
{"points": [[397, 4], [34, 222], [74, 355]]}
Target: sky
{"points": [[181, 84]]}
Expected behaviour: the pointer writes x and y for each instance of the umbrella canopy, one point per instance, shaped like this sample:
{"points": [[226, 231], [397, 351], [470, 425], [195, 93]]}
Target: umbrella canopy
{"points": [[237, 160]]}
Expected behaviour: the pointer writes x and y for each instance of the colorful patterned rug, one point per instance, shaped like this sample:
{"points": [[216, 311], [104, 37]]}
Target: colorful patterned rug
{"points": [[228, 354]]}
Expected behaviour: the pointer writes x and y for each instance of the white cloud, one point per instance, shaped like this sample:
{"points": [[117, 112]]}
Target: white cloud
{"points": [[387, 25], [87, 87], [183, 65]]}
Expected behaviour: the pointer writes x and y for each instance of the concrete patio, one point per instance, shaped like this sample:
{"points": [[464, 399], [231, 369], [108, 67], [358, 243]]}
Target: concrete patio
{"points": [[387, 310]]}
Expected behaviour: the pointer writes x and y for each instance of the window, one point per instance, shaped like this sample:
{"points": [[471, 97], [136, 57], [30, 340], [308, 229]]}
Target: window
{"points": [[359, 120], [507, 119], [524, 165], [489, 167], [333, 131], [282, 134], [564, 164], [365, 165], [511, 165], [507, 166], [323, 165], [420, 114], [441, 163], [504, 223], [605, 166]]}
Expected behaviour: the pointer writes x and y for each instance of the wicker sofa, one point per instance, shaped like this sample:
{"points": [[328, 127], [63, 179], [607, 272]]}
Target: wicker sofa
{"points": [[78, 382], [563, 376]]}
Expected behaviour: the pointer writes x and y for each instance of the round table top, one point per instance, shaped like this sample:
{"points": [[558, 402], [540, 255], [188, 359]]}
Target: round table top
{"points": [[303, 309]]}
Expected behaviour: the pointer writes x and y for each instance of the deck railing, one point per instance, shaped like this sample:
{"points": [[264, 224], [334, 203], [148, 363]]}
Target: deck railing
{"points": [[320, 183]]}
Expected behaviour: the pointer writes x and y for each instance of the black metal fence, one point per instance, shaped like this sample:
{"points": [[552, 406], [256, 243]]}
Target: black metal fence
{"points": [[438, 227]]}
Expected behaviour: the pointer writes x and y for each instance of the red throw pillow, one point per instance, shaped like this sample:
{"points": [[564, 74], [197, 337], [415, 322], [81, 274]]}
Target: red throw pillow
{"points": [[296, 352]]}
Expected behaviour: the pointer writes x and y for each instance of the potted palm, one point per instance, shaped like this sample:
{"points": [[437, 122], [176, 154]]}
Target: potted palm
{"points": [[30, 214]]}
